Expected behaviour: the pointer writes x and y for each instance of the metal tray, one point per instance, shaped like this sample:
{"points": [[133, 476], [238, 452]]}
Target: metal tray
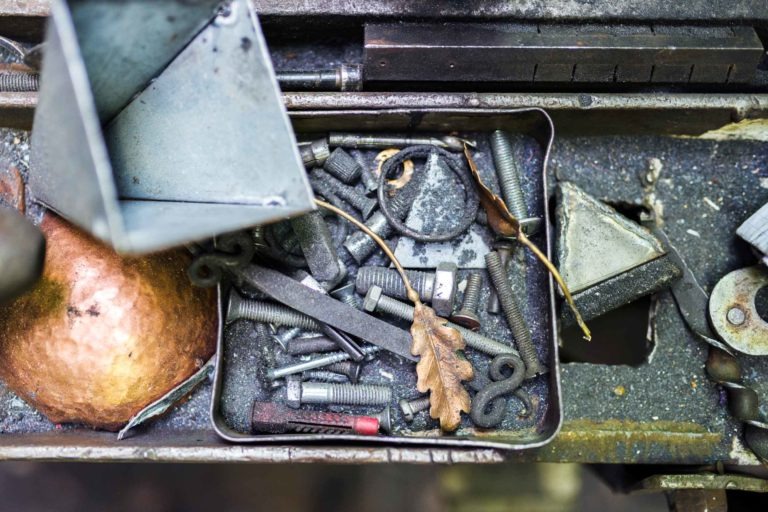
{"points": [[545, 390]]}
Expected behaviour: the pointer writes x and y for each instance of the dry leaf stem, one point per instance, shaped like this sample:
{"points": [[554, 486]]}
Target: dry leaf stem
{"points": [[412, 295]]}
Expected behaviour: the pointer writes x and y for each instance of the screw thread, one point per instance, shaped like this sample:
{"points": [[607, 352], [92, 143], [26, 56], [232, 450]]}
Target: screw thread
{"points": [[391, 283], [477, 341], [346, 394], [325, 376], [513, 314], [343, 166], [304, 346], [260, 311], [472, 292], [419, 404], [509, 174], [18, 82]]}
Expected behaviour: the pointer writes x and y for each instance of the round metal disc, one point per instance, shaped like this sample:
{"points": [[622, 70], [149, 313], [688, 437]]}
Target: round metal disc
{"points": [[734, 314]]}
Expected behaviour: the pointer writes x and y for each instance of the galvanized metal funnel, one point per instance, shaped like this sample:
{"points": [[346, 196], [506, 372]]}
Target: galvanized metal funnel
{"points": [[156, 126]]}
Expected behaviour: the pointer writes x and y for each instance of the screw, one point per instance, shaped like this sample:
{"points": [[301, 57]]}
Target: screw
{"points": [[363, 141], [312, 364], [411, 407], [283, 339], [342, 166], [314, 153], [347, 295], [313, 345], [509, 181], [467, 315], [272, 418], [736, 316], [349, 369], [269, 313], [360, 245], [18, 81], [391, 283], [385, 420], [324, 376], [347, 77], [512, 312], [324, 182], [376, 301], [505, 249], [299, 393]]}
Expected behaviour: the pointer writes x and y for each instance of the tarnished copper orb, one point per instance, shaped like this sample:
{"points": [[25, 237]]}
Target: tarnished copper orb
{"points": [[101, 336]]}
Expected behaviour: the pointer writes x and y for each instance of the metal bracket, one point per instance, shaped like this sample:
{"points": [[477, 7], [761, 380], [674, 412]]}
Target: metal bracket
{"points": [[150, 134]]}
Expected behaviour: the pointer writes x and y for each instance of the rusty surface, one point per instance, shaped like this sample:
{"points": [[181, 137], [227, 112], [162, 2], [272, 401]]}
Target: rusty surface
{"points": [[100, 336], [24, 19]]}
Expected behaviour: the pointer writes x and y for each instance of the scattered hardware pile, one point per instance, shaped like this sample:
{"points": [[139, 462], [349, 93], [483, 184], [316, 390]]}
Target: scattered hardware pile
{"points": [[325, 341]]}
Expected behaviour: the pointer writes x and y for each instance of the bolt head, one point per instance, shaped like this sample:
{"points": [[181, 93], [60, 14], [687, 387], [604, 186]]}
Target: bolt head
{"points": [[372, 299], [405, 407], [444, 288], [293, 391], [736, 315], [354, 375], [385, 420], [233, 306], [466, 319]]}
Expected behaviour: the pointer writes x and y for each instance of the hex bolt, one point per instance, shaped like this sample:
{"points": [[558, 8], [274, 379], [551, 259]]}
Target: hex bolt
{"points": [[342, 166], [509, 180], [376, 301], [266, 312], [505, 250], [18, 81], [360, 245], [467, 315], [410, 408], [324, 376], [324, 181], [313, 364], [299, 393], [391, 283], [513, 314], [317, 246], [439, 287], [313, 345], [347, 295]]}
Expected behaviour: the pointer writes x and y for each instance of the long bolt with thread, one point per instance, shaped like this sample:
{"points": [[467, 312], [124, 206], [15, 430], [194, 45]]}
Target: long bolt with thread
{"points": [[260, 311], [391, 283], [509, 174], [344, 394], [513, 314], [375, 300]]}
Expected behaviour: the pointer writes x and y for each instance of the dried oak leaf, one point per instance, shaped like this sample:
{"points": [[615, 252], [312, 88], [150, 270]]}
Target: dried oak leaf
{"points": [[440, 369]]}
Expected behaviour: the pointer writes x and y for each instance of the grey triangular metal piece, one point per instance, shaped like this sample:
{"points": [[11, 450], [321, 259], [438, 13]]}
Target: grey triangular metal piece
{"points": [[206, 148], [595, 242]]}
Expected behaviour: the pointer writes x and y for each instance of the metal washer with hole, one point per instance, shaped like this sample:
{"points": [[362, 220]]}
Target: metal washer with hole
{"points": [[734, 313]]}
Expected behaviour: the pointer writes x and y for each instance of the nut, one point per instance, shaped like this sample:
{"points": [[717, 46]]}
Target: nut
{"points": [[444, 288]]}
